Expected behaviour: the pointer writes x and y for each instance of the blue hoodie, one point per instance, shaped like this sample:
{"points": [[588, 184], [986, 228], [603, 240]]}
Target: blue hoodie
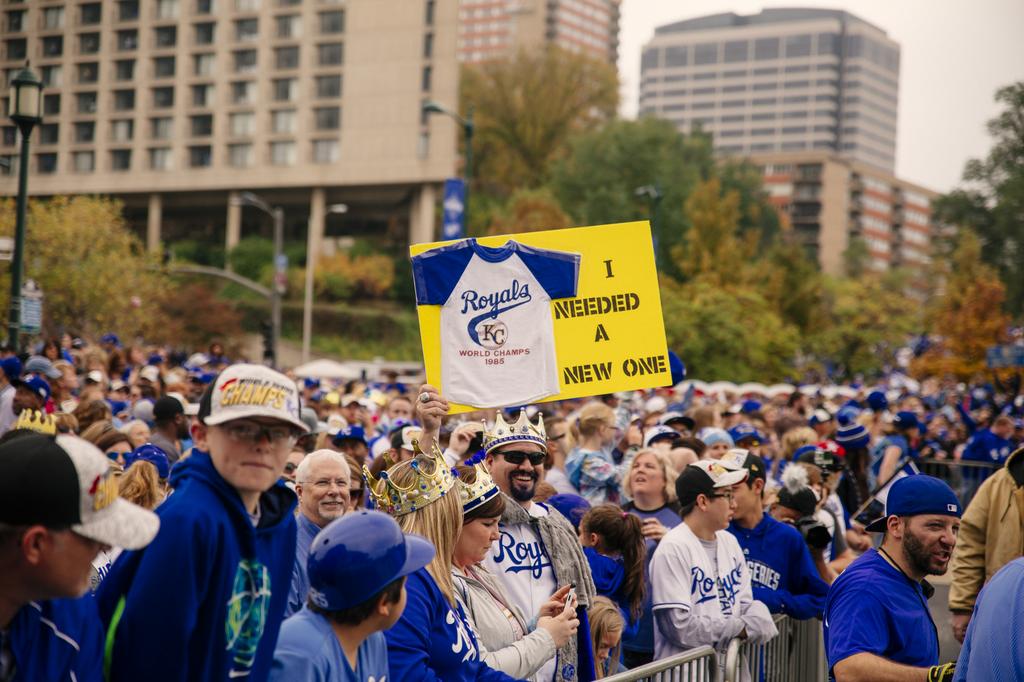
{"points": [[609, 578], [431, 641], [205, 600], [985, 446], [59, 639], [782, 572]]}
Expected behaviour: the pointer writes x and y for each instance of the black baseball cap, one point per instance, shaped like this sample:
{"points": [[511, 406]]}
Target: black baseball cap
{"points": [[819, 457], [703, 478]]}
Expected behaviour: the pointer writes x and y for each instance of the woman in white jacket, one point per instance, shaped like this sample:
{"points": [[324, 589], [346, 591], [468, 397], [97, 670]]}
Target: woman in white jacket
{"points": [[507, 641]]}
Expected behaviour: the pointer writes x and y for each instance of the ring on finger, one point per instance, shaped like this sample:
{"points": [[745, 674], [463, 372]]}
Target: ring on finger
{"points": [[424, 397]]}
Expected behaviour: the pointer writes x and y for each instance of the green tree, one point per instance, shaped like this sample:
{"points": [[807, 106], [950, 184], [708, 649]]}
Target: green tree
{"points": [[530, 210], [527, 107], [991, 202]]}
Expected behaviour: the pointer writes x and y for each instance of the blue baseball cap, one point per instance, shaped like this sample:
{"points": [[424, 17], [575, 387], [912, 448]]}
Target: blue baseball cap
{"points": [[905, 421], [310, 382], [11, 367], [34, 383], [147, 452], [354, 432], [918, 494], [110, 339], [745, 432]]}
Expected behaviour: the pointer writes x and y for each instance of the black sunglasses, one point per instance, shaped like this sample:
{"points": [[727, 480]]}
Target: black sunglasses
{"points": [[516, 457]]}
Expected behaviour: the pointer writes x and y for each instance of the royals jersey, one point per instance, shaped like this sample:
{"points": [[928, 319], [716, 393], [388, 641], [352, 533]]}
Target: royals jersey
{"points": [[497, 341]]}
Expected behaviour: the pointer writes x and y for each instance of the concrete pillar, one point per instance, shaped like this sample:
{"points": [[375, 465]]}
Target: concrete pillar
{"points": [[421, 217], [234, 226], [153, 221], [317, 209]]}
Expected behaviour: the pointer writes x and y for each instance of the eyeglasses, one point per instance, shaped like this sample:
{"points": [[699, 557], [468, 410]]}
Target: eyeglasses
{"points": [[517, 457], [326, 483], [251, 433], [290, 467], [114, 454], [728, 497]]}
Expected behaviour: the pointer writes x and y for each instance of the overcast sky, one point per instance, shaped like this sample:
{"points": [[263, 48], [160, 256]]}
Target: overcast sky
{"points": [[954, 55]]}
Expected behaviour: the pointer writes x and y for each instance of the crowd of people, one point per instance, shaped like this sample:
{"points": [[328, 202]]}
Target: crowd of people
{"points": [[169, 516]]}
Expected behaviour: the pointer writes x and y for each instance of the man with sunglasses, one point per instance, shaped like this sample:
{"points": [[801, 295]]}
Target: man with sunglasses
{"points": [[206, 599], [701, 589]]}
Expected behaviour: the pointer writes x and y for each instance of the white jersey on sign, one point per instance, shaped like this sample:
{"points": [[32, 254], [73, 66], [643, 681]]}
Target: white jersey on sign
{"points": [[497, 340]]}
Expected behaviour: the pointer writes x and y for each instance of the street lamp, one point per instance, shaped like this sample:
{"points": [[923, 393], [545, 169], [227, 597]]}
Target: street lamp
{"points": [[25, 107], [312, 251], [432, 107], [280, 265], [654, 196]]}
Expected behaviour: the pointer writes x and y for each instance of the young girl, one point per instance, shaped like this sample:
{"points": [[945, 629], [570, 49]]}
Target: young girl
{"points": [[614, 544], [590, 466], [606, 627]]}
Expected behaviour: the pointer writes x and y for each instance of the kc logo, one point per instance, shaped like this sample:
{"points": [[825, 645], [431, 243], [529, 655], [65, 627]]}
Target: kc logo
{"points": [[492, 334]]}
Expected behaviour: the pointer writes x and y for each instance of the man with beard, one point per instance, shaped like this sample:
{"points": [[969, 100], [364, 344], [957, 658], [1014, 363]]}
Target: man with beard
{"points": [[877, 624], [537, 551], [170, 426], [322, 484]]}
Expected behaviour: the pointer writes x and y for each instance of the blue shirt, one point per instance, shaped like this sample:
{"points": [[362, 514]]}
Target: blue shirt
{"points": [[985, 446], [299, 589], [57, 640], [992, 649], [873, 608], [308, 650]]}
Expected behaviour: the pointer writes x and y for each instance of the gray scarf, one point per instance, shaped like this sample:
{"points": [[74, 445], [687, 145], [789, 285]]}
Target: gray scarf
{"points": [[563, 548]]}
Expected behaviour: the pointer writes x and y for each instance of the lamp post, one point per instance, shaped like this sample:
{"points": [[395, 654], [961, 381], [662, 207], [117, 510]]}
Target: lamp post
{"points": [[654, 195], [280, 266], [432, 107], [25, 106], [312, 251]]}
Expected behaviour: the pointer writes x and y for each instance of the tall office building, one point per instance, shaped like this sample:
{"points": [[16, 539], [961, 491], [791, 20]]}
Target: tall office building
{"points": [[176, 106], [492, 29], [783, 80]]}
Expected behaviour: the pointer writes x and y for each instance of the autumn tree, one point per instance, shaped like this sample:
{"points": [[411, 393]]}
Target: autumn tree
{"points": [[529, 210], [527, 107]]}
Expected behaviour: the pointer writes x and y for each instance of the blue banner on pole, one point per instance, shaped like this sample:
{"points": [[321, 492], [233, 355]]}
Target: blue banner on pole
{"points": [[999, 357], [453, 223]]}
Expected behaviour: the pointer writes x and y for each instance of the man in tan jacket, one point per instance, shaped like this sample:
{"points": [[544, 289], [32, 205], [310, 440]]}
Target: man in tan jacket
{"points": [[991, 536]]}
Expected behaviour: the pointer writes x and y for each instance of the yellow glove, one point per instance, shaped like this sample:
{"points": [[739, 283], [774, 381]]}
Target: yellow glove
{"points": [[941, 673]]}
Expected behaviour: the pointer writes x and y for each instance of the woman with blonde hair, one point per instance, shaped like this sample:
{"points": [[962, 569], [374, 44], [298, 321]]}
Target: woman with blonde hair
{"points": [[590, 466], [606, 626], [432, 640], [792, 440]]}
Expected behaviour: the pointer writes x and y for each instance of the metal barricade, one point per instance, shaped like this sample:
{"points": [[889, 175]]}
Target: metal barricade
{"points": [[963, 476], [695, 665], [796, 654]]}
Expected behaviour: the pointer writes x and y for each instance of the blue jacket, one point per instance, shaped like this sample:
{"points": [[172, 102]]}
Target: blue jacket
{"points": [[609, 577], [782, 572], [308, 650], [60, 640], [985, 446], [992, 649], [205, 600], [431, 641], [299, 589]]}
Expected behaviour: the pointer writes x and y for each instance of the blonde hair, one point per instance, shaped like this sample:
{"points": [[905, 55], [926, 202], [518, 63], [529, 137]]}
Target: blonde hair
{"points": [[605, 617], [590, 418], [668, 472], [796, 438], [140, 484], [440, 522]]}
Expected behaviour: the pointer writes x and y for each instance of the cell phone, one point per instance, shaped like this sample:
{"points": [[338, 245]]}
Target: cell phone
{"points": [[571, 600]]}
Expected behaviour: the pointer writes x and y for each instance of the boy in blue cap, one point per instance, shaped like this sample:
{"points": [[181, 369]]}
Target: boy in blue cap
{"points": [[877, 625], [357, 568]]}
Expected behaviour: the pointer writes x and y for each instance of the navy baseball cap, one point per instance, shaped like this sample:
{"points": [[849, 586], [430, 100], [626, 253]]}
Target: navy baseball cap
{"points": [[354, 432], [918, 494]]}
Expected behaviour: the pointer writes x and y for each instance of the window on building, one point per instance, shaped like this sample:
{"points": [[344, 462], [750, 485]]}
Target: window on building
{"points": [[16, 48], [127, 10], [328, 86], [160, 158], [240, 155], [242, 123], [49, 133], [798, 46], [676, 56], [766, 48], [88, 43], [16, 21], [46, 163], [282, 153], [286, 57], [325, 151], [204, 34], [245, 61], [120, 159], [127, 39], [86, 102], [124, 69], [243, 92], [89, 14], [124, 100], [705, 53], [282, 121], [651, 58], [735, 51], [165, 36], [161, 128], [427, 78], [327, 118], [122, 131], [206, 6], [201, 125], [51, 105], [166, 9], [163, 67], [429, 17], [53, 18], [53, 46], [200, 156], [828, 43], [52, 76], [203, 64], [8, 136], [247, 5], [428, 45], [285, 89], [332, 22], [288, 26], [330, 54], [202, 95], [83, 162], [163, 97], [247, 29]]}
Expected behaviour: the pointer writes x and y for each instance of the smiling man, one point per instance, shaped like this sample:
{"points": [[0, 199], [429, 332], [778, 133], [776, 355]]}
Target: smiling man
{"points": [[213, 585], [877, 624], [322, 484]]}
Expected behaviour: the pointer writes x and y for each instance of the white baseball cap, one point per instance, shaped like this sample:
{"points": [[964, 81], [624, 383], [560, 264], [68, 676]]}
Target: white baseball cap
{"points": [[244, 390]]}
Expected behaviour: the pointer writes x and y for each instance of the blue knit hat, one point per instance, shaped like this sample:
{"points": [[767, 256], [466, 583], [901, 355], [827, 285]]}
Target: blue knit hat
{"points": [[853, 435], [710, 436], [877, 401]]}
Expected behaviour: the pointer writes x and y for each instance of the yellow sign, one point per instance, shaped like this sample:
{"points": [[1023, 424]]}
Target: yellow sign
{"points": [[611, 336]]}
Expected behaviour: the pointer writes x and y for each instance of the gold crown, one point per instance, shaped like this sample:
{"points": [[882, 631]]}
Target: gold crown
{"points": [[472, 495], [35, 420], [428, 487], [523, 431]]}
